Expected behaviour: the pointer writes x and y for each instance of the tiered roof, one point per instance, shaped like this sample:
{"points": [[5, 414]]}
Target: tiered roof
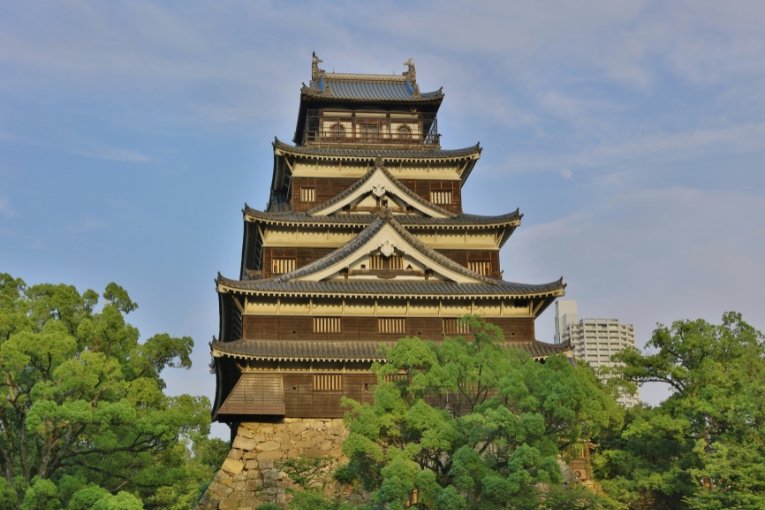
{"points": [[305, 350], [376, 88], [457, 282], [416, 154]]}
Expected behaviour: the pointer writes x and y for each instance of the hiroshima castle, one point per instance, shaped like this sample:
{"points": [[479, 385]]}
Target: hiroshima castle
{"points": [[364, 241]]}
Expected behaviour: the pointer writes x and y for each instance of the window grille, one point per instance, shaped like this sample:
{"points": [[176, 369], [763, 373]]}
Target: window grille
{"points": [[441, 197], [327, 325], [308, 194], [455, 327], [405, 133], [281, 265], [328, 382], [337, 131], [482, 267], [391, 325], [378, 262]]}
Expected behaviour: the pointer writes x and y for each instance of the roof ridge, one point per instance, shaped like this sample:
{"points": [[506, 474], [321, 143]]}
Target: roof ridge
{"points": [[362, 76], [386, 153], [408, 220]]}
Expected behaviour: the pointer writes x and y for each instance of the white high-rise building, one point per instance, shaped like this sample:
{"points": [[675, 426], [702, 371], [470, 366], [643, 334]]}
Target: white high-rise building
{"points": [[594, 341]]}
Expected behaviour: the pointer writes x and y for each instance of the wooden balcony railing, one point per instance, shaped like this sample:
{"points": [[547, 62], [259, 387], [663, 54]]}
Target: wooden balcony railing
{"points": [[372, 138]]}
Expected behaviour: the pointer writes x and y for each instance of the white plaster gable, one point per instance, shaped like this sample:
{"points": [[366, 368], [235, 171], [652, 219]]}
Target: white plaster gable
{"points": [[389, 242], [377, 187]]}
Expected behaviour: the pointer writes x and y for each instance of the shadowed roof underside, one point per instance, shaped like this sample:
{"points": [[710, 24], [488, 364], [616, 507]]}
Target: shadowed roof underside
{"points": [[321, 351]]}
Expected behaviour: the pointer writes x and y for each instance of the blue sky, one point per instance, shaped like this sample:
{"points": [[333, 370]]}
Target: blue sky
{"points": [[630, 134]]}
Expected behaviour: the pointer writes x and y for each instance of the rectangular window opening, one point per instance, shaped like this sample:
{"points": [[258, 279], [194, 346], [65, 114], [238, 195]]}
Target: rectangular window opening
{"points": [[281, 265], [327, 325], [391, 325], [307, 194], [441, 197]]}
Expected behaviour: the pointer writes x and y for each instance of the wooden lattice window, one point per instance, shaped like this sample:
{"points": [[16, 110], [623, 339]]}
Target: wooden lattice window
{"points": [[337, 131], [328, 382], [455, 327], [441, 197], [378, 262], [391, 325], [281, 265], [482, 267], [307, 194], [327, 325], [405, 133]]}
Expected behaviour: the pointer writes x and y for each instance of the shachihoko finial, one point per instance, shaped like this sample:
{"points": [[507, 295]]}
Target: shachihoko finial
{"points": [[410, 71], [316, 71]]}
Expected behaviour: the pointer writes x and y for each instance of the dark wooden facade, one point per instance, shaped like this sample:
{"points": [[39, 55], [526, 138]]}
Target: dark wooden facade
{"points": [[360, 329], [348, 257], [326, 188]]}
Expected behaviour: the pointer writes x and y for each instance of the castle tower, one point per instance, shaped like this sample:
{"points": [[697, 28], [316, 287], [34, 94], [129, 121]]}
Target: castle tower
{"points": [[364, 241]]}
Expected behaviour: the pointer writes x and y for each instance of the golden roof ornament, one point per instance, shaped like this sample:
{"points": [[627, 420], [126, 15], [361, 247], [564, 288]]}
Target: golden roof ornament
{"points": [[316, 71], [411, 75]]}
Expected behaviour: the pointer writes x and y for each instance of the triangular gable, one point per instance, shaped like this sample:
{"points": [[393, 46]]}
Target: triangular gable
{"points": [[385, 239], [376, 188]]}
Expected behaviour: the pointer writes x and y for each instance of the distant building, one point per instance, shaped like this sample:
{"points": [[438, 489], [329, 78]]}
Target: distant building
{"points": [[594, 341]]}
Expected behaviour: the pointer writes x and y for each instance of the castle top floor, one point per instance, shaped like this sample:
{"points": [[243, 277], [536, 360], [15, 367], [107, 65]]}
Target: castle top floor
{"points": [[367, 110]]}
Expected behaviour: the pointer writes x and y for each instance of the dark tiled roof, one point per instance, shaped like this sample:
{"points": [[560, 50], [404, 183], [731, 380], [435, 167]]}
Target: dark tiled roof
{"points": [[368, 87], [539, 349], [370, 154], [299, 350], [379, 288], [404, 189], [303, 350], [459, 220]]}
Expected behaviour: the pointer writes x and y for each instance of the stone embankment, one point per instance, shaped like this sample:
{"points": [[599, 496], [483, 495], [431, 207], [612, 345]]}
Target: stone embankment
{"points": [[256, 470]]}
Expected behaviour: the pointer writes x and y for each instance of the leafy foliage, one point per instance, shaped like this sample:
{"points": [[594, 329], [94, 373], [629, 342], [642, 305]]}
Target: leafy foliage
{"points": [[84, 422], [704, 447], [471, 424]]}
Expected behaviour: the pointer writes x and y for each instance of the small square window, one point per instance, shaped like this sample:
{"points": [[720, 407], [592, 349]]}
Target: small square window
{"points": [[441, 197], [307, 194]]}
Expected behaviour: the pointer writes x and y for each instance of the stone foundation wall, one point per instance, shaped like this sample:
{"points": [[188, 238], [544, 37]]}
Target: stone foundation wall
{"points": [[264, 456]]}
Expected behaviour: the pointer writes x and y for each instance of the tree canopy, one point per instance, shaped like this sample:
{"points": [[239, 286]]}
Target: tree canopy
{"points": [[473, 425], [703, 448], [84, 420]]}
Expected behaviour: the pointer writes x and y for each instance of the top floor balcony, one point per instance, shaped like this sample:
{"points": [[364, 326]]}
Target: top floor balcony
{"points": [[370, 128]]}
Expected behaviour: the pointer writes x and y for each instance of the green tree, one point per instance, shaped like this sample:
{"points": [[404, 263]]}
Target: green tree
{"points": [[703, 448], [82, 407], [471, 424]]}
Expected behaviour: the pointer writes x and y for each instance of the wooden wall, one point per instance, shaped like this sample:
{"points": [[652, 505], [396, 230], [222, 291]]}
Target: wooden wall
{"points": [[327, 188], [302, 256], [305, 256], [301, 400], [462, 257], [282, 327]]}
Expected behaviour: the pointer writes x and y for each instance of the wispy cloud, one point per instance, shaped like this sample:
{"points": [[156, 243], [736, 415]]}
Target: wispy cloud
{"points": [[113, 154]]}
